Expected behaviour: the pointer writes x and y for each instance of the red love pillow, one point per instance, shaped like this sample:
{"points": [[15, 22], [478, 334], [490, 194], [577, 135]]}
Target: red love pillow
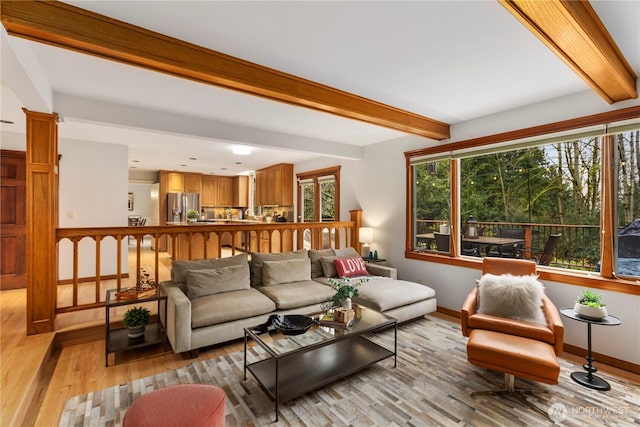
{"points": [[350, 267]]}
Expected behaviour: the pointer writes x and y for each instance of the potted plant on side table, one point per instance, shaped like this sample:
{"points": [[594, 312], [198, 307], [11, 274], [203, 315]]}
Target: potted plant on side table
{"points": [[135, 320], [590, 306]]}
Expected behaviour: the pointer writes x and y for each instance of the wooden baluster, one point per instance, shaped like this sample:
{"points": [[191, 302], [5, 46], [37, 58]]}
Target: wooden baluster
{"points": [[96, 289]]}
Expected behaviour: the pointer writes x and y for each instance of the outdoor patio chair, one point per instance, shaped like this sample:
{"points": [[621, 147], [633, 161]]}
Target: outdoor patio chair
{"points": [[442, 242], [544, 256], [509, 251]]}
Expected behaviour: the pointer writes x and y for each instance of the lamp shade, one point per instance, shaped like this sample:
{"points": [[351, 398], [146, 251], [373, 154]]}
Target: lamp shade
{"points": [[366, 234]]}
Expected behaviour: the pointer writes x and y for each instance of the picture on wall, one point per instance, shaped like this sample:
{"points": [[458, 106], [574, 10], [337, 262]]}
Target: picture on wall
{"points": [[130, 205]]}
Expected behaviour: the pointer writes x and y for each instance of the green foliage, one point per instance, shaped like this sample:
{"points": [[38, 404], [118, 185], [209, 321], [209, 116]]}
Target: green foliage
{"points": [[192, 214], [345, 287], [136, 317], [590, 298]]}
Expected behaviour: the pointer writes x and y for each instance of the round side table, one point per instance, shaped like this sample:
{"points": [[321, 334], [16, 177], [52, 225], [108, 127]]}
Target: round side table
{"points": [[587, 379]]}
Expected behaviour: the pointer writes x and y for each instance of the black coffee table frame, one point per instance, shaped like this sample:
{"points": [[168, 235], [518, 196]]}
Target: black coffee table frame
{"points": [[285, 376], [587, 379]]}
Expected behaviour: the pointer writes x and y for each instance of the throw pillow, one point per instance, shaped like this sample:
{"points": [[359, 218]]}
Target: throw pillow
{"points": [[315, 256], [350, 267], [258, 258], [328, 267], [293, 270], [180, 268], [214, 281], [347, 252], [515, 297]]}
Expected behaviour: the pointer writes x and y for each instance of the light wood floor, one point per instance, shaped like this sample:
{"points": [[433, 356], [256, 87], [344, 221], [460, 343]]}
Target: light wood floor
{"points": [[80, 368]]}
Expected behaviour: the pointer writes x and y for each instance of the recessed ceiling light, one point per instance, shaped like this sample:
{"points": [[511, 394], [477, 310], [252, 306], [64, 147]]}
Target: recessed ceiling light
{"points": [[238, 163], [193, 158], [224, 169], [241, 150], [183, 166], [134, 167], [8, 122], [135, 161]]}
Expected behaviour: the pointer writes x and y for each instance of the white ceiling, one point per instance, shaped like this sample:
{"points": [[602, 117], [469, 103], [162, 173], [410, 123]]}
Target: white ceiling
{"points": [[451, 61]]}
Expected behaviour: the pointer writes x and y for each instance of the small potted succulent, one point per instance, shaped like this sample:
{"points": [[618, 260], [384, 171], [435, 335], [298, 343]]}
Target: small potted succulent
{"points": [[192, 215], [345, 289], [590, 306], [135, 320]]}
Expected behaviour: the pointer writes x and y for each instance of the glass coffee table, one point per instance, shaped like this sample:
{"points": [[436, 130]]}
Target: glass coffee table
{"points": [[298, 364]]}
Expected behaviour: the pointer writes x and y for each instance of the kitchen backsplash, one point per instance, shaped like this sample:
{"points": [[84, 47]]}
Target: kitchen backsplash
{"points": [[233, 213]]}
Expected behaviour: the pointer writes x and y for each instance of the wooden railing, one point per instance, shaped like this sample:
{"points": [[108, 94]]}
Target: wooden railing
{"points": [[578, 247], [200, 239]]}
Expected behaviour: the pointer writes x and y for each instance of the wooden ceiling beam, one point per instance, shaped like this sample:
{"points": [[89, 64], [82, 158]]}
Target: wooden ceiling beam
{"points": [[574, 32], [70, 27]]}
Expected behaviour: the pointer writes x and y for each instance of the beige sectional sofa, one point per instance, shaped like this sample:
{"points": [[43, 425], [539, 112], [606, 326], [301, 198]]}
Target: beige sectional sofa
{"points": [[212, 301]]}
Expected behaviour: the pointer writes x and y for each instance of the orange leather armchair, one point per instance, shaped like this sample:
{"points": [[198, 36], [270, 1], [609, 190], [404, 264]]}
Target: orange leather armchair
{"points": [[552, 333]]}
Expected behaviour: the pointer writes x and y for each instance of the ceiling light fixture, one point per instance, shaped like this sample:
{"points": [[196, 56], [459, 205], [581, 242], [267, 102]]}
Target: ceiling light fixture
{"points": [[241, 150], [8, 122]]}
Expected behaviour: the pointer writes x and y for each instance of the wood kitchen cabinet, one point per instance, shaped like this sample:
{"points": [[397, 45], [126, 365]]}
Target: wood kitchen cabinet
{"points": [[208, 197], [175, 182], [274, 185], [225, 191], [193, 182], [241, 191]]}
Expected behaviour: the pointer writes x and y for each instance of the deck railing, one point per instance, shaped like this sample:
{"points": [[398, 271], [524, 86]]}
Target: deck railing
{"points": [[88, 291], [578, 247]]}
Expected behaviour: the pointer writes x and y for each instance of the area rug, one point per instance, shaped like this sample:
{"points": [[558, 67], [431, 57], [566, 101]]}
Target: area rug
{"points": [[431, 386]]}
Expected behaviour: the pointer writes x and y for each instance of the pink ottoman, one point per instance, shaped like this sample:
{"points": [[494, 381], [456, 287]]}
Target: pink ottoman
{"points": [[190, 405]]}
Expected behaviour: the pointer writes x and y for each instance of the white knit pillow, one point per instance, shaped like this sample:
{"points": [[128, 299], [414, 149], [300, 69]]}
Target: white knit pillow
{"points": [[515, 297]]}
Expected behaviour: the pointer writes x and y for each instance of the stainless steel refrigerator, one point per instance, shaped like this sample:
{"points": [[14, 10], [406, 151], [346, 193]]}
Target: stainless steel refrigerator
{"points": [[179, 203]]}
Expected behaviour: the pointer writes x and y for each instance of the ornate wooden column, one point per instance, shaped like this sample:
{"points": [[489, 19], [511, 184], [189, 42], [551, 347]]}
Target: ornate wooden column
{"points": [[356, 216], [42, 220]]}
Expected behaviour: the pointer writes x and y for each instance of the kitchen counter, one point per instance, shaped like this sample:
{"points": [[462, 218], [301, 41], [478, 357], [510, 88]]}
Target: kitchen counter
{"points": [[218, 222]]}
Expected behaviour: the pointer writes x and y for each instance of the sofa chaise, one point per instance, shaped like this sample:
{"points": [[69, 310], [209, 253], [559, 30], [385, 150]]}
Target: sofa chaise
{"points": [[212, 301]]}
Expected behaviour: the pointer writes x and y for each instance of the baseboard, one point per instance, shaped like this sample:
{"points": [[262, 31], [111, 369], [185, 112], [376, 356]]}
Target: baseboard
{"points": [[607, 360], [448, 312]]}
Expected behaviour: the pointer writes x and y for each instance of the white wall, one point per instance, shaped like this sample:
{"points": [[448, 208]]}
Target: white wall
{"points": [[142, 205], [376, 184], [92, 193]]}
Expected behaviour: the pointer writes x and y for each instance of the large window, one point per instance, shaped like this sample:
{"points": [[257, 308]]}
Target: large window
{"points": [[627, 148], [544, 198]]}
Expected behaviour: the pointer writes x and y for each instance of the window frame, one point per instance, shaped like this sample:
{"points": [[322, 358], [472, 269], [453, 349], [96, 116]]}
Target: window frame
{"points": [[316, 176], [606, 279]]}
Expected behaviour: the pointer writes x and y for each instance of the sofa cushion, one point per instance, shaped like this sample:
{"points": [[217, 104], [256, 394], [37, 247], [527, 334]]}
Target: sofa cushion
{"points": [[316, 266], [515, 297], [228, 306], [297, 294], [179, 268], [213, 281], [258, 258], [350, 267], [383, 294], [291, 270]]}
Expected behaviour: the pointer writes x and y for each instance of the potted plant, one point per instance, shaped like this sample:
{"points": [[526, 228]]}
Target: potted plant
{"points": [[192, 215], [345, 289], [135, 319], [590, 306]]}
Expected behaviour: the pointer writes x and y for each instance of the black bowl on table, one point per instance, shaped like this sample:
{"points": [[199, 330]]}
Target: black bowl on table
{"points": [[292, 324]]}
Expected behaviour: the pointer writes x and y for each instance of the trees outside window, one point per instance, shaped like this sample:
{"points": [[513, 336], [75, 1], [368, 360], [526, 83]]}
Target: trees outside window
{"points": [[319, 195]]}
